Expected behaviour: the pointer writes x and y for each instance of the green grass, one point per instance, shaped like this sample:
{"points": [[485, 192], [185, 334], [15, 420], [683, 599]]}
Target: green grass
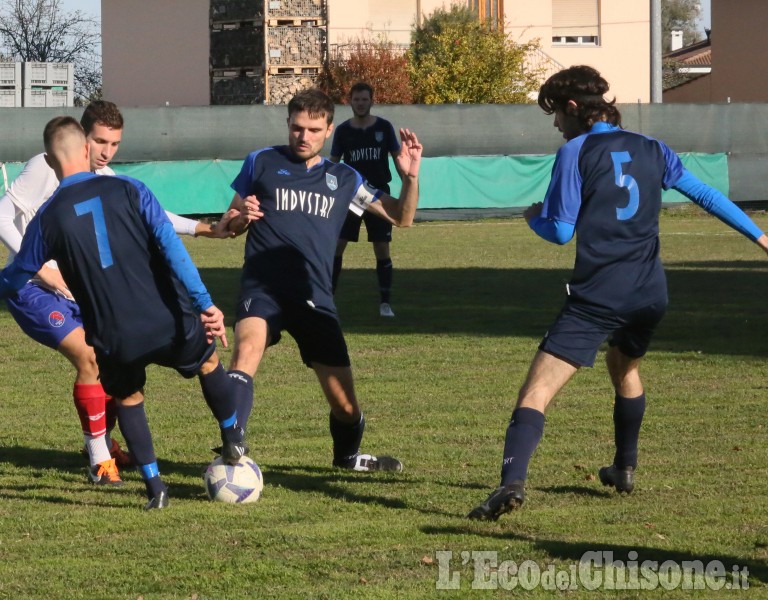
{"points": [[437, 385]]}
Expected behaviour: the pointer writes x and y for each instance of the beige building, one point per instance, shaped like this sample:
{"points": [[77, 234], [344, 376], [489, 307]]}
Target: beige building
{"points": [[158, 52]]}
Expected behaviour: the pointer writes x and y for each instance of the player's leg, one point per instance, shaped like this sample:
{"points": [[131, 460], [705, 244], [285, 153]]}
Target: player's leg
{"points": [[251, 341], [350, 232], [380, 236]]}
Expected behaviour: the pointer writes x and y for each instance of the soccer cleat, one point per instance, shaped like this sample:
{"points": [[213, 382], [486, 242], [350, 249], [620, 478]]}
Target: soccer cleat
{"points": [[123, 459], [385, 310], [503, 499], [157, 502], [232, 452], [367, 463], [106, 473], [622, 479]]}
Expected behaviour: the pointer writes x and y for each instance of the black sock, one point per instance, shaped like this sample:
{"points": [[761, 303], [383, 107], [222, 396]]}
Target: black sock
{"points": [[523, 435], [384, 273], [337, 261], [242, 391], [218, 393], [133, 424], [627, 419], [346, 439]]}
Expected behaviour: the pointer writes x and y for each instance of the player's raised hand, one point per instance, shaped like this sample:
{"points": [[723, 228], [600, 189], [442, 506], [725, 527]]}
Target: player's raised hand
{"points": [[249, 209], [213, 322], [409, 158]]}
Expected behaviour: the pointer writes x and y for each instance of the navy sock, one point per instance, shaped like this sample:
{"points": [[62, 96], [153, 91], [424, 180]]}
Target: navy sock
{"points": [[384, 273], [627, 419], [337, 262], [346, 439], [133, 424], [523, 435], [241, 389], [217, 391]]}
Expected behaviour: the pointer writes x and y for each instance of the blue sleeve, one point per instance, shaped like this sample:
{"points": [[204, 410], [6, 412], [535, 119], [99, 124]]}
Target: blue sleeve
{"points": [[563, 198], [336, 149], [243, 183], [716, 204], [552, 230], [32, 255], [161, 229]]}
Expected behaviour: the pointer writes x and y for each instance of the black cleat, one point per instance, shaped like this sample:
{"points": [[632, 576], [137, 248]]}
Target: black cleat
{"points": [[502, 500], [622, 479], [232, 452], [368, 463], [159, 501]]}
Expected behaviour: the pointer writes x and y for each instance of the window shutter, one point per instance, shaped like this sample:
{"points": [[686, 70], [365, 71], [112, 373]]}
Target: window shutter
{"points": [[575, 18]]}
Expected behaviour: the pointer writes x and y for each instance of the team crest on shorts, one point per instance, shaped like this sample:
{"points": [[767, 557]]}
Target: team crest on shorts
{"points": [[56, 319], [331, 181], [379, 136]]}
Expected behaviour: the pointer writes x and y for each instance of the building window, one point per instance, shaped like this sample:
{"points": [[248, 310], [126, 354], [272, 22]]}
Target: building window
{"points": [[576, 22], [489, 11]]}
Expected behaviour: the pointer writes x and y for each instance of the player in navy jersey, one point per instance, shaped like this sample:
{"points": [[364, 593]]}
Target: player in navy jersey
{"points": [[606, 189], [141, 298], [300, 201], [365, 142]]}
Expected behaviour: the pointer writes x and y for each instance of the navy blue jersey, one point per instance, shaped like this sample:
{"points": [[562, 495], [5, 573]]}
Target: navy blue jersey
{"points": [[367, 150], [289, 251], [608, 183], [126, 268]]}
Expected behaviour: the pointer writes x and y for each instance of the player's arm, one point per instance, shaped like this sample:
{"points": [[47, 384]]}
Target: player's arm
{"points": [[241, 212], [400, 211], [552, 230], [717, 204], [31, 257]]}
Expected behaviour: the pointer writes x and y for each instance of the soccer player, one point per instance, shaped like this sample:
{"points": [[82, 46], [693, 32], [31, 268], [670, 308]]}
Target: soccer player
{"points": [[141, 299], [44, 308], [365, 143], [300, 201], [606, 189]]}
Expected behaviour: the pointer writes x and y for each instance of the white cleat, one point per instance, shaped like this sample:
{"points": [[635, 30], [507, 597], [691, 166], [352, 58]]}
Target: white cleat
{"points": [[385, 310]]}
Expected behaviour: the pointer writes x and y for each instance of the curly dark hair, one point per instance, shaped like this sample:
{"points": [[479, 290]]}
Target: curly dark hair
{"points": [[101, 112], [586, 87], [314, 102]]}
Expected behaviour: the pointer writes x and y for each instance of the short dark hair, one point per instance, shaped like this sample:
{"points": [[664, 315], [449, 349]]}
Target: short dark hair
{"points": [[314, 102], [101, 112], [586, 87], [361, 86], [55, 127]]}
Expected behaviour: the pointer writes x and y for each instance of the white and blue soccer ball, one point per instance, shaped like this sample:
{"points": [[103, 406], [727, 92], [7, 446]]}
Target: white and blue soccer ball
{"points": [[235, 484]]}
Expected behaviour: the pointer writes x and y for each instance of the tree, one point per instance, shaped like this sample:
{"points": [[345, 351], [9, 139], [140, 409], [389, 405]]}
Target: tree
{"points": [[40, 31], [456, 58], [679, 15], [379, 63]]}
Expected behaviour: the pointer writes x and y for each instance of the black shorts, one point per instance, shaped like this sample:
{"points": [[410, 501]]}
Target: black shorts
{"points": [[579, 330], [378, 229], [120, 379], [317, 331]]}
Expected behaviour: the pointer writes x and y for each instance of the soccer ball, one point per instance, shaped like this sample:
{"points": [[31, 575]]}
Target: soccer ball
{"points": [[238, 484]]}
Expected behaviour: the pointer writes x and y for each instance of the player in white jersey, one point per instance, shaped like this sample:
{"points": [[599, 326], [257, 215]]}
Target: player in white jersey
{"points": [[44, 308]]}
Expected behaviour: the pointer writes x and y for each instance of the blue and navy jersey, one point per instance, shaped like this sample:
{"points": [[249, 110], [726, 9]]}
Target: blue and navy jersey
{"points": [[289, 251], [125, 267], [608, 184], [367, 150]]}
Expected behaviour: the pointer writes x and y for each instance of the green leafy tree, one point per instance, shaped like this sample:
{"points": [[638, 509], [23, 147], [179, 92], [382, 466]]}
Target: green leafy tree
{"points": [[379, 63], [456, 58], [40, 31], [679, 15]]}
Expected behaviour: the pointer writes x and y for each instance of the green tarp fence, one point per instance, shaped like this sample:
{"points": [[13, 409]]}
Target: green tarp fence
{"points": [[463, 182]]}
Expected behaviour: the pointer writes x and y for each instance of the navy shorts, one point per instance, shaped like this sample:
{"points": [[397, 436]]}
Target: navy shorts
{"points": [[317, 331], [43, 315], [378, 229], [579, 330], [121, 379]]}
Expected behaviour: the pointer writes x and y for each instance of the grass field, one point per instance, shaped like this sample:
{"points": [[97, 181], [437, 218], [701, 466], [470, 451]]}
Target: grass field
{"points": [[437, 384]]}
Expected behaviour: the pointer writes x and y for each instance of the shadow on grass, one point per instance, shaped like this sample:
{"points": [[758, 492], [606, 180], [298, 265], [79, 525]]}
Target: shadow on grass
{"points": [[715, 307], [573, 552]]}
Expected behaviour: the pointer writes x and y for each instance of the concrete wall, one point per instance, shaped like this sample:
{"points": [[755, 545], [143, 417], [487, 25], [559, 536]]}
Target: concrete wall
{"points": [[155, 53]]}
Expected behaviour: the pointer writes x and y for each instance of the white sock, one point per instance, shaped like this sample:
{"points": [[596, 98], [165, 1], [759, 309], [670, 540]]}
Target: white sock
{"points": [[98, 451]]}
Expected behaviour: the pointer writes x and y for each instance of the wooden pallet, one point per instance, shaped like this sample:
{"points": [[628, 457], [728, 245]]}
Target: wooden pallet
{"points": [[296, 22], [295, 69]]}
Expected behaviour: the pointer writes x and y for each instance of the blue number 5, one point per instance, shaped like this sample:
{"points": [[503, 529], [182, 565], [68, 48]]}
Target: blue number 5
{"points": [[625, 181], [93, 206]]}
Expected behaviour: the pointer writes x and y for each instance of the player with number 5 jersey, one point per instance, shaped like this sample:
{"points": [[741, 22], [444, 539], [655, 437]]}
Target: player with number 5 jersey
{"points": [[606, 190]]}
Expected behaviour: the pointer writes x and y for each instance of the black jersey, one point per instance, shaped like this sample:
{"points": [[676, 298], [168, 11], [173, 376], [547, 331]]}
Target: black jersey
{"points": [[367, 150]]}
